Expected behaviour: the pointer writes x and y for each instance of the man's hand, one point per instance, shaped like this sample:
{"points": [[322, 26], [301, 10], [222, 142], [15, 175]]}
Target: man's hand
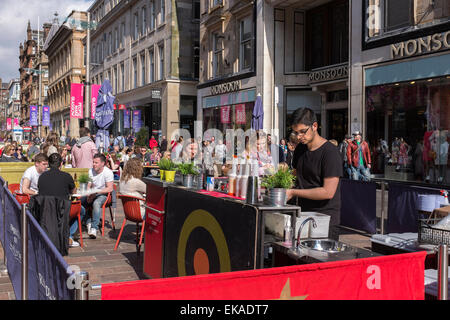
{"points": [[289, 194], [369, 166]]}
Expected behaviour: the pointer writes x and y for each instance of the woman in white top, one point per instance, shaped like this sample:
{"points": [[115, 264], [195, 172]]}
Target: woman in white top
{"points": [[131, 183]]}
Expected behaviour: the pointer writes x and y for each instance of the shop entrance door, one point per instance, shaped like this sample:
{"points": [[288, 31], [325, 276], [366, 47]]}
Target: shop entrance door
{"points": [[337, 124]]}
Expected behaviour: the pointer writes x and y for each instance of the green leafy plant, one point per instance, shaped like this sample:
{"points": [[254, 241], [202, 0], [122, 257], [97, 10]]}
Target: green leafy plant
{"points": [[142, 137], [283, 178], [167, 165], [84, 178], [187, 168]]}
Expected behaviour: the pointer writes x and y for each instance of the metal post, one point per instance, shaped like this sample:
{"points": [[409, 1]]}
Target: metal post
{"points": [[383, 189], [3, 268], [87, 113], [24, 253], [443, 272], [82, 292]]}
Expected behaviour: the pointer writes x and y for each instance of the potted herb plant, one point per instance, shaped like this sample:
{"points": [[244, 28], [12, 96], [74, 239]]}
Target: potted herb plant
{"points": [[83, 180], [277, 184], [169, 169], [188, 171]]}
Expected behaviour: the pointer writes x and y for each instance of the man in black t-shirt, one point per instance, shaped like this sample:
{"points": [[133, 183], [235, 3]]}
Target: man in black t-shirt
{"points": [[318, 167], [57, 183]]}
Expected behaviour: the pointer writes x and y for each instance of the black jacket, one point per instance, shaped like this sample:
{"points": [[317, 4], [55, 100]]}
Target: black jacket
{"points": [[52, 214]]}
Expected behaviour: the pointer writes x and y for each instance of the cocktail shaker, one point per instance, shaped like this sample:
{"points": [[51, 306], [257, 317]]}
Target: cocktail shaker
{"points": [[252, 190]]}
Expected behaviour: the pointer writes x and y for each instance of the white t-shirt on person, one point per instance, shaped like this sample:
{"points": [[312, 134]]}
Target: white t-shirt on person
{"points": [[32, 175], [99, 180]]}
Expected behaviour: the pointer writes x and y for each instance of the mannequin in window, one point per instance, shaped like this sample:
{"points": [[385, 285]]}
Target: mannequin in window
{"points": [[441, 149], [403, 159]]}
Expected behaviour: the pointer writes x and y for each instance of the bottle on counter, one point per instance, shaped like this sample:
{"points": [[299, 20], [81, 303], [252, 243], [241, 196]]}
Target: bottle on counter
{"points": [[252, 185], [288, 233], [232, 179], [244, 180], [200, 178], [238, 180]]}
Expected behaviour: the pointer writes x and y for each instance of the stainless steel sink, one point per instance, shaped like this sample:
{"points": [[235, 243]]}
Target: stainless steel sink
{"points": [[325, 245]]}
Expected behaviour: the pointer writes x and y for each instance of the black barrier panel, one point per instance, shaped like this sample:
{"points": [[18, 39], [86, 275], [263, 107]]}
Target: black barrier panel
{"points": [[402, 207], [359, 205], [47, 268], [13, 243], [204, 234]]}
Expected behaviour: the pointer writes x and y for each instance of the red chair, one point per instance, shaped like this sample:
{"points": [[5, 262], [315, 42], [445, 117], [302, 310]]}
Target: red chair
{"points": [[22, 198], [14, 188], [108, 204], [75, 212], [132, 211]]}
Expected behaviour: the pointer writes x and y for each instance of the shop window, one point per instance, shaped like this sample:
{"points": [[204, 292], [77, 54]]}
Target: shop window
{"points": [[412, 120], [398, 14], [238, 116]]}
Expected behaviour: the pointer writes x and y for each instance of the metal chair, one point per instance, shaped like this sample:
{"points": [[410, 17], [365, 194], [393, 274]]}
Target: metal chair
{"points": [[75, 212], [132, 211], [108, 204]]}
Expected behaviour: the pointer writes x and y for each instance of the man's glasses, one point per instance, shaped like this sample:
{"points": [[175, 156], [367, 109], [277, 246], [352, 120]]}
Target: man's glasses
{"points": [[301, 132]]}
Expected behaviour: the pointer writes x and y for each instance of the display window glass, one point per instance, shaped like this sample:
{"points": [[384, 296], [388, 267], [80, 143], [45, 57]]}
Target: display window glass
{"points": [[408, 130], [234, 117]]}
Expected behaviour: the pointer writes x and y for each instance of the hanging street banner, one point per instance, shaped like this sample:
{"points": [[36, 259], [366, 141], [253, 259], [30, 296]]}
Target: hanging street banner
{"points": [[8, 124], [94, 95], [76, 100], [33, 116], [16, 122], [137, 120], [126, 119], [46, 116]]}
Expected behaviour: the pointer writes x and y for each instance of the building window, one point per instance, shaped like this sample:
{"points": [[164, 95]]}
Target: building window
{"points": [[151, 57], [217, 53], [135, 73], [110, 44], [196, 9], [196, 56], [215, 3], [122, 76], [163, 11], [136, 26], [142, 69], [116, 39], [116, 78], [161, 62], [122, 35], [152, 14], [398, 14], [144, 21], [246, 37]]}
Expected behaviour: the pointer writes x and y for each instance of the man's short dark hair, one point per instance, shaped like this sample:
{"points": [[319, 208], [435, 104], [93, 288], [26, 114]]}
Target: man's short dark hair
{"points": [[101, 157], [54, 161], [84, 131], [40, 157], [304, 116]]}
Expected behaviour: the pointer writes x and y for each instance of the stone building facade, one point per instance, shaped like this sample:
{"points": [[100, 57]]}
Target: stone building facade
{"points": [[66, 54], [33, 73], [147, 51]]}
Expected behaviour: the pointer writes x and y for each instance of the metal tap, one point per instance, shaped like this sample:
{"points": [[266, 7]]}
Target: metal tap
{"points": [[314, 224]]}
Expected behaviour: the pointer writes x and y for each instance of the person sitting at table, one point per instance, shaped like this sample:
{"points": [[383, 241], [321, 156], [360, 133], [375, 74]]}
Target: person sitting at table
{"points": [[30, 178], [130, 182], [155, 156], [57, 183], [51, 144], [114, 164], [8, 154], [102, 179], [19, 155], [143, 155]]}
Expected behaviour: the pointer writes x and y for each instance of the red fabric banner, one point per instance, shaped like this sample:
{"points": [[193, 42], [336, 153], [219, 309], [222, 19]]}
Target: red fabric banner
{"points": [[225, 114], [240, 114], [394, 277], [94, 95], [76, 100]]}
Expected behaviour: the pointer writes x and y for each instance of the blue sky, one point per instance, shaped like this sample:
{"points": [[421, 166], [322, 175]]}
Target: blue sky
{"points": [[13, 23]]}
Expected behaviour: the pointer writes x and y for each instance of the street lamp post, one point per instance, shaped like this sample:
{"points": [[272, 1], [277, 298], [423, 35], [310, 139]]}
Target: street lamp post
{"points": [[88, 77]]}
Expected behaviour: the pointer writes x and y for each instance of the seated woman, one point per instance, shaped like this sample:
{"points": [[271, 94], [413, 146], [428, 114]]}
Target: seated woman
{"points": [[114, 164], [19, 155], [8, 154], [131, 183], [155, 156]]}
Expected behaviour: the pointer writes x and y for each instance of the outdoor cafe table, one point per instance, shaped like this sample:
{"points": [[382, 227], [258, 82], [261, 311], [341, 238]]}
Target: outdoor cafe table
{"points": [[190, 231], [86, 193]]}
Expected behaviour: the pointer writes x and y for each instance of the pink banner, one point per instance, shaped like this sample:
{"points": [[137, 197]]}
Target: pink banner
{"points": [[8, 124], [225, 114], [16, 122], [94, 93], [76, 100], [240, 114]]}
